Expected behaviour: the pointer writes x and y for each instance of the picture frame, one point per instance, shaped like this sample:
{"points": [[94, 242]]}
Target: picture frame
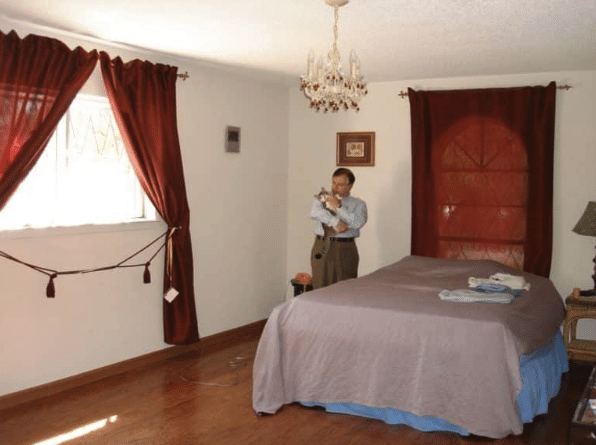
{"points": [[356, 149]]}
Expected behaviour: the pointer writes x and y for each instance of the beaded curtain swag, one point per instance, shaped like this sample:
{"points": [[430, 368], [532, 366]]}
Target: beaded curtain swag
{"points": [[39, 78], [482, 175], [52, 273]]}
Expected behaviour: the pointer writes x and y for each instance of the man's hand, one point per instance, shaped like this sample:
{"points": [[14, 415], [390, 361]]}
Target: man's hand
{"points": [[341, 227]]}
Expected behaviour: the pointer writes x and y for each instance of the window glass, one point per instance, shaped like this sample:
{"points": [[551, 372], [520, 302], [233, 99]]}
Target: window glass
{"points": [[83, 177]]}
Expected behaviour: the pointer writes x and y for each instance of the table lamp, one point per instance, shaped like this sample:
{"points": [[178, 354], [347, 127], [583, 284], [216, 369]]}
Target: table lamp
{"points": [[587, 226]]}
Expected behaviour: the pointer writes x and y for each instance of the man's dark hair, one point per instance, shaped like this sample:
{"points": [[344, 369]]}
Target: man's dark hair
{"points": [[345, 172]]}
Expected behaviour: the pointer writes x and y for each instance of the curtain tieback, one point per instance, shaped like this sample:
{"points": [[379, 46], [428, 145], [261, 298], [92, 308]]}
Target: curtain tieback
{"points": [[170, 253]]}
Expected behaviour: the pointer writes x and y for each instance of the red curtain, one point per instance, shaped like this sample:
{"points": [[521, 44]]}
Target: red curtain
{"points": [[39, 78], [143, 97], [482, 175]]}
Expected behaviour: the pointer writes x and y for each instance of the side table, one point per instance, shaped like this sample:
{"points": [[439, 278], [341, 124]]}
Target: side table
{"points": [[579, 307], [583, 424], [300, 288]]}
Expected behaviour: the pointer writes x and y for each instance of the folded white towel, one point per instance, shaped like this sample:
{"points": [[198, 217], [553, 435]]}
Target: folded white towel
{"points": [[513, 281]]}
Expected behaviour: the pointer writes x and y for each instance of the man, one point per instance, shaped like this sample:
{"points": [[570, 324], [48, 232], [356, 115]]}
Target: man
{"points": [[334, 255]]}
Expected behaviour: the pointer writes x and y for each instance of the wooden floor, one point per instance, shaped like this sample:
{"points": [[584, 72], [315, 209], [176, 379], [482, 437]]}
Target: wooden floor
{"points": [[200, 398]]}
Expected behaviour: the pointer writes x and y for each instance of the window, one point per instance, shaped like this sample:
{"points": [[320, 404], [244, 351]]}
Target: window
{"points": [[83, 177], [481, 192]]}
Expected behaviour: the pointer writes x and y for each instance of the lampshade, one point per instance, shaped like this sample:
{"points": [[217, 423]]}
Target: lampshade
{"points": [[587, 223]]}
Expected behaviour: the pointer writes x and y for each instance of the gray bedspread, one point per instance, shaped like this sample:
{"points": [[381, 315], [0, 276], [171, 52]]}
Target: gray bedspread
{"points": [[387, 340]]}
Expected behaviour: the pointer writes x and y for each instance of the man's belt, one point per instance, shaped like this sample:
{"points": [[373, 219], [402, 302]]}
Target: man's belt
{"points": [[336, 239]]}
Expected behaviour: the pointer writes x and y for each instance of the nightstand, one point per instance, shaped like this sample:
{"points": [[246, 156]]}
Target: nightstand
{"points": [[579, 307], [300, 288], [583, 424]]}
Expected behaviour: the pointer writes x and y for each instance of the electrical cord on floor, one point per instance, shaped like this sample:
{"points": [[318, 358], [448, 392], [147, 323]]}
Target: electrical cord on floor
{"points": [[234, 364]]}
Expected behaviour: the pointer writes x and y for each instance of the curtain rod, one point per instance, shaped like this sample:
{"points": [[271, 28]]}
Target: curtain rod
{"points": [[404, 94], [91, 39]]}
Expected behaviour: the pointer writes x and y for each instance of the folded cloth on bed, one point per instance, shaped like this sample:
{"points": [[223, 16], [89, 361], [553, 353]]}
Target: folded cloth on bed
{"points": [[491, 288], [473, 296], [513, 281], [484, 292]]}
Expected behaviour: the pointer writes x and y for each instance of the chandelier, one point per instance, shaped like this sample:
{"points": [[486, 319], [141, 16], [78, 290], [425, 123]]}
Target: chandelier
{"points": [[327, 87]]}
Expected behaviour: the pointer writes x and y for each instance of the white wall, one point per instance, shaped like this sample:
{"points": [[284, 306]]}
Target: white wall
{"points": [[238, 202], [238, 208], [386, 187]]}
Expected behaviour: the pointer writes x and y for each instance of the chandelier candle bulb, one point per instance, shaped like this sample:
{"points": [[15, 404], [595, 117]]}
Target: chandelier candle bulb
{"points": [[357, 65], [320, 68], [310, 64], [353, 63]]}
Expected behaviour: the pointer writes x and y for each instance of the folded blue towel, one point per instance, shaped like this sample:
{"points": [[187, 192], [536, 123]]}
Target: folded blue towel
{"points": [[492, 288]]}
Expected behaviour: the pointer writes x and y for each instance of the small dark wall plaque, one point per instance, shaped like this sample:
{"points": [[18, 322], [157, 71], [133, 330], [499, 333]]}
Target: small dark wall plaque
{"points": [[232, 139]]}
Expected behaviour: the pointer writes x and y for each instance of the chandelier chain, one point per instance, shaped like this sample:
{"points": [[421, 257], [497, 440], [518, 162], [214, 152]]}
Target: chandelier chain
{"points": [[335, 32]]}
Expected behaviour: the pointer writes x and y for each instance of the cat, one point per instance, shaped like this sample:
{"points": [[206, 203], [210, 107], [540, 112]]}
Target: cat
{"points": [[324, 196]]}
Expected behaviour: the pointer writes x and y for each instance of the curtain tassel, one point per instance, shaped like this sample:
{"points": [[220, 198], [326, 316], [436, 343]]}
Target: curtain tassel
{"points": [[147, 274], [51, 290]]}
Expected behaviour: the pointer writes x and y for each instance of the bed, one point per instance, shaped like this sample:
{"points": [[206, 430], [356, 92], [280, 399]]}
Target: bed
{"points": [[386, 346]]}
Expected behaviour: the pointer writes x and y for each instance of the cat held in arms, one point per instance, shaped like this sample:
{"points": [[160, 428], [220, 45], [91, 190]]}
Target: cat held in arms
{"points": [[323, 196]]}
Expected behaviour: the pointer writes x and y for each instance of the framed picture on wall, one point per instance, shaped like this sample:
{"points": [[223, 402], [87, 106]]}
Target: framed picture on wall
{"points": [[356, 149]]}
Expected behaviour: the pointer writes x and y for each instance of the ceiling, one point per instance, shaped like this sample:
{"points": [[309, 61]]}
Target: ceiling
{"points": [[394, 39]]}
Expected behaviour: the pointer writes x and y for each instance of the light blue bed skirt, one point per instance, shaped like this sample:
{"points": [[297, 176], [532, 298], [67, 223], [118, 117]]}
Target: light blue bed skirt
{"points": [[541, 373]]}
